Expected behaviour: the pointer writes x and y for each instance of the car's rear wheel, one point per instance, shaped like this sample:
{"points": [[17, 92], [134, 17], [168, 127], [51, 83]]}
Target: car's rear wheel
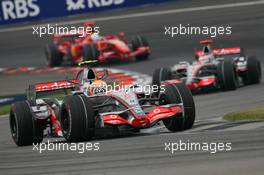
{"points": [[25, 130], [138, 42], [253, 74], [226, 75], [77, 118], [179, 94], [90, 52], [53, 56]]}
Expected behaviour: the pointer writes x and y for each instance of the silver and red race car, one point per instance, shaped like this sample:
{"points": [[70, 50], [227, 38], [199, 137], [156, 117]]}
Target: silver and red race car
{"points": [[225, 69], [91, 106]]}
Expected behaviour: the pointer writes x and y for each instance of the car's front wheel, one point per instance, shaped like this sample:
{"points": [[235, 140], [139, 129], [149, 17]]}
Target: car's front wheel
{"points": [[77, 118], [226, 75], [179, 94], [253, 74], [159, 75]]}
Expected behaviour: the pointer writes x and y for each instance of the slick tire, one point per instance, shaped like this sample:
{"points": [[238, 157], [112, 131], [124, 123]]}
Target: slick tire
{"points": [[176, 94], [90, 52], [24, 129], [77, 118], [226, 75], [138, 42], [53, 57], [159, 75], [253, 74]]}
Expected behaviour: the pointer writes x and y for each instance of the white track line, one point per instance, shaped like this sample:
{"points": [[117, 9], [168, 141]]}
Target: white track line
{"points": [[249, 126], [200, 128], [144, 14]]}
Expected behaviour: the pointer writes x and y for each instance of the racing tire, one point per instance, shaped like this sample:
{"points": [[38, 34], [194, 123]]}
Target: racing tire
{"points": [[137, 42], [253, 74], [77, 118], [24, 129], [161, 74], [175, 94], [90, 52], [53, 56], [226, 75]]}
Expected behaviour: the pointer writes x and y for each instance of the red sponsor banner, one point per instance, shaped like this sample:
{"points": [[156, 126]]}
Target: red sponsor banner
{"points": [[49, 86], [223, 51]]}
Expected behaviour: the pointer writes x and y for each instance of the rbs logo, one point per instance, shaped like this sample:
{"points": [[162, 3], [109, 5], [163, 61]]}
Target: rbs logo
{"points": [[18, 9], [82, 4]]}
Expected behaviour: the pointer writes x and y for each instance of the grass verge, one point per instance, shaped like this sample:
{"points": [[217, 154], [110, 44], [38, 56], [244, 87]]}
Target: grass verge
{"points": [[4, 109], [255, 114]]}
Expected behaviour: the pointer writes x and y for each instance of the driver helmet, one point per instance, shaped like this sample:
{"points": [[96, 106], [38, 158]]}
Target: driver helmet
{"points": [[96, 37], [97, 87]]}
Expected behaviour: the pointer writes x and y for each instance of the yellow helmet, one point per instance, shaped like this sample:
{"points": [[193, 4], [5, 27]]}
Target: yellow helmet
{"points": [[98, 87]]}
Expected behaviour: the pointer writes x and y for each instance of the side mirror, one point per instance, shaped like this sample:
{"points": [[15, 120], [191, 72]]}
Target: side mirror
{"points": [[31, 94]]}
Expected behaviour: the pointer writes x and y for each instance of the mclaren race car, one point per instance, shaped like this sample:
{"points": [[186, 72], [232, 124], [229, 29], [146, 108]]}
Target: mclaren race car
{"points": [[225, 69], [77, 47], [91, 105]]}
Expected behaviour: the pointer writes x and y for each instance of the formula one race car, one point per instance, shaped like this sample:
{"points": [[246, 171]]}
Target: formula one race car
{"points": [[225, 69], [92, 106], [77, 47]]}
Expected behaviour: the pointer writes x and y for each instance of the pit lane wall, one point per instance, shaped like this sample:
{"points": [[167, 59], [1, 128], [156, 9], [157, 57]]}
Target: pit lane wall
{"points": [[24, 11]]}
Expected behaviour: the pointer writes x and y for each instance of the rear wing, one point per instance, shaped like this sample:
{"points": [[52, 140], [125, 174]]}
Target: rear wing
{"points": [[223, 51], [49, 87], [56, 85], [206, 42]]}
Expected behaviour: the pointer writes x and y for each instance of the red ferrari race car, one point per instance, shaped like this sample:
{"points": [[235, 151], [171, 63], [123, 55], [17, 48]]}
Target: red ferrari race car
{"points": [[77, 47], [225, 69], [91, 106]]}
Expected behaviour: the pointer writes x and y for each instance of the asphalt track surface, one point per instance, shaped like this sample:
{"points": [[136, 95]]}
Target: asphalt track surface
{"points": [[144, 153]]}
